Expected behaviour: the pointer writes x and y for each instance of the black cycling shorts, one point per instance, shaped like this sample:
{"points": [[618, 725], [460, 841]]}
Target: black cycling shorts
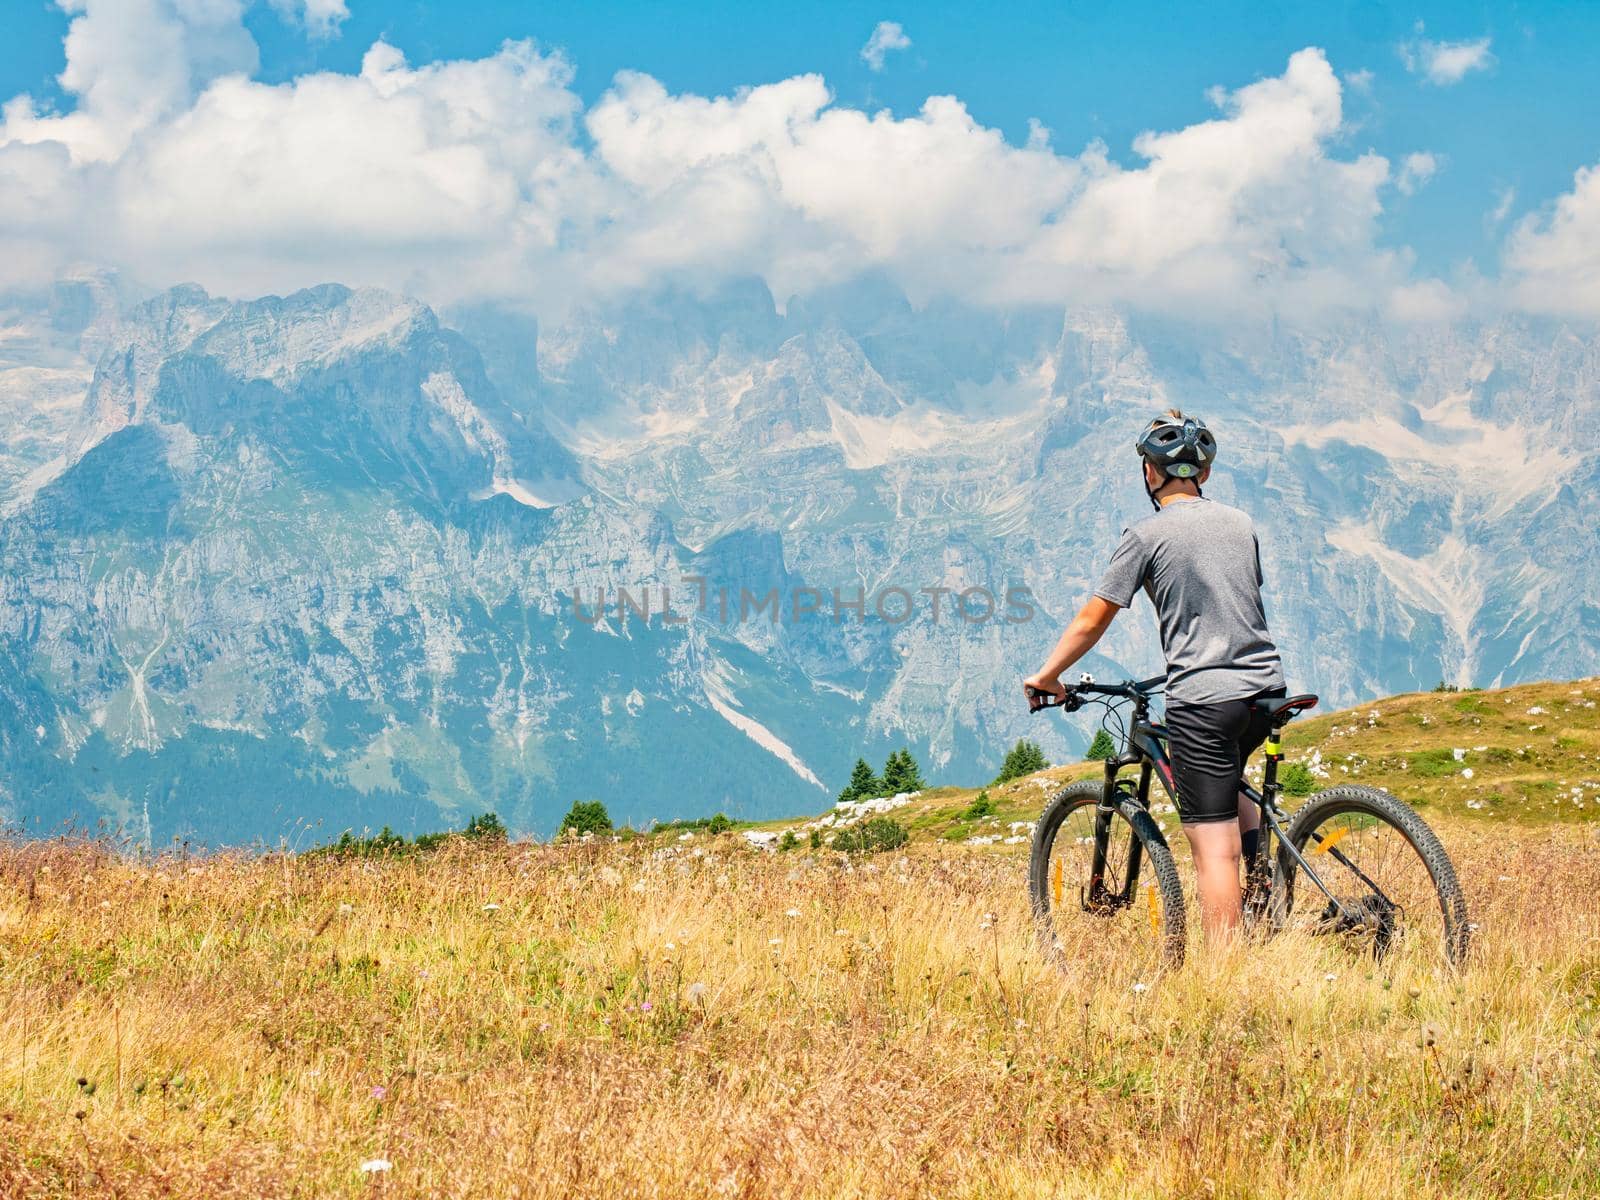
{"points": [[1209, 744]]}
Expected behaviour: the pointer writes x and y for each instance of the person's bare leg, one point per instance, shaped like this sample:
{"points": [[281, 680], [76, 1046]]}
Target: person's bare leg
{"points": [[1249, 814], [1215, 847]]}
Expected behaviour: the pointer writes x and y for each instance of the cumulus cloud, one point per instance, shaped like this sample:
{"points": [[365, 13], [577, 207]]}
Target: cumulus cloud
{"points": [[886, 36], [132, 64], [1415, 171], [1554, 257], [1445, 63], [488, 178], [320, 18]]}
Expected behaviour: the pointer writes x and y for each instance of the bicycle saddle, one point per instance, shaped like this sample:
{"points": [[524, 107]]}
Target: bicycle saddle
{"points": [[1282, 708]]}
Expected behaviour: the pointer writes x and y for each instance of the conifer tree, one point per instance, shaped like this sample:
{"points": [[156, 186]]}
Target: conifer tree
{"points": [[1022, 759], [1102, 747], [863, 783], [901, 774]]}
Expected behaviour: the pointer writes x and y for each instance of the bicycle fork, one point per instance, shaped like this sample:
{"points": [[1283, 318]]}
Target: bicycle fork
{"points": [[1098, 898]]}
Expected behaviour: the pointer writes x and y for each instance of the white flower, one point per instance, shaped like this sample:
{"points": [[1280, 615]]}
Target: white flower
{"points": [[791, 912], [774, 941], [695, 992], [373, 1165], [1330, 977], [491, 907], [1140, 988], [347, 909]]}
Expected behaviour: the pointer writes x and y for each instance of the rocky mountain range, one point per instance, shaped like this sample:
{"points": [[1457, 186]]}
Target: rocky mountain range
{"points": [[274, 568]]}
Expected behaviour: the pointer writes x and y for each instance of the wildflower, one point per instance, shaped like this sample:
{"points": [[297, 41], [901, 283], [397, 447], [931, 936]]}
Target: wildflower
{"points": [[645, 1006], [380, 1092], [695, 992], [774, 942], [491, 907], [792, 912], [1140, 988], [373, 1165], [1330, 977], [670, 946], [346, 909]]}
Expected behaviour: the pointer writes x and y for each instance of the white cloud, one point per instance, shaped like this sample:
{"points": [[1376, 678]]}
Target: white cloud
{"points": [[1553, 259], [132, 64], [886, 36], [1445, 63], [487, 177], [1504, 198], [1426, 301], [1415, 171], [320, 18]]}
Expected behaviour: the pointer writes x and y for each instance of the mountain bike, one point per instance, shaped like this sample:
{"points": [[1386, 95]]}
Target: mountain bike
{"points": [[1353, 863]]}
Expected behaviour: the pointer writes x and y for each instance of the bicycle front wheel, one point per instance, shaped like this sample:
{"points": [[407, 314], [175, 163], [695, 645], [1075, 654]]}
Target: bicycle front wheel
{"points": [[1395, 887], [1103, 884]]}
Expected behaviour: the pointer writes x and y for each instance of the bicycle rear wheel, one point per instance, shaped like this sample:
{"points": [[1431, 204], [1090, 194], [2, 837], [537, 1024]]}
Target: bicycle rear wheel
{"points": [[1105, 875], [1387, 869]]}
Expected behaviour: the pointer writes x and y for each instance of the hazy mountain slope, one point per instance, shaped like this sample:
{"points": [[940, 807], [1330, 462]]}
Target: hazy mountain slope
{"points": [[315, 557]]}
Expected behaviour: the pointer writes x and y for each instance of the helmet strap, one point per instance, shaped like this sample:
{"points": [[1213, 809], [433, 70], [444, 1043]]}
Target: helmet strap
{"points": [[1165, 479]]}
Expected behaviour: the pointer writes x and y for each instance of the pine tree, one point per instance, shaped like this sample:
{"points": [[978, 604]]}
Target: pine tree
{"points": [[863, 784], [1102, 747], [586, 816], [901, 774], [1022, 759]]}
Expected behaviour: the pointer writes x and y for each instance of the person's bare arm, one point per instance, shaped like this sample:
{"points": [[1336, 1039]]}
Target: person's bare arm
{"points": [[1093, 619]]}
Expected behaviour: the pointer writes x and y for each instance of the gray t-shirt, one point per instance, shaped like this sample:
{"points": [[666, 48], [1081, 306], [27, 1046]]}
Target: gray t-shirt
{"points": [[1201, 565]]}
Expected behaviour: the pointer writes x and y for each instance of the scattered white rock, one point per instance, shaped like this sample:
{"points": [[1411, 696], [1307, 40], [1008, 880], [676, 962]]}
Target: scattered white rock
{"points": [[761, 839]]}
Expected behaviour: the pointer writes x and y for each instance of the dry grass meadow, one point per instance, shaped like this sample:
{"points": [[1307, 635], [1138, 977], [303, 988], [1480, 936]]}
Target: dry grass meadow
{"points": [[660, 1017]]}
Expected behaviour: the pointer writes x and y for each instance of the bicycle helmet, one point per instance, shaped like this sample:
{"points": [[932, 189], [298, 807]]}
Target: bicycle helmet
{"points": [[1178, 447]]}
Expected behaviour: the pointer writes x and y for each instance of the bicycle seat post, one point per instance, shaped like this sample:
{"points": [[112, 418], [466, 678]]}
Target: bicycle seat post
{"points": [[1271, 789]]}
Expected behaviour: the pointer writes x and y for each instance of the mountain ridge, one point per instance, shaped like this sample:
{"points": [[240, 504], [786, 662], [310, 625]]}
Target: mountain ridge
{"points": [[350, 530]]}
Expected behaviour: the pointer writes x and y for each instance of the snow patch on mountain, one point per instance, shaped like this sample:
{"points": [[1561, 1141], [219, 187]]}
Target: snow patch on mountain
{"points": [[719, 694]]}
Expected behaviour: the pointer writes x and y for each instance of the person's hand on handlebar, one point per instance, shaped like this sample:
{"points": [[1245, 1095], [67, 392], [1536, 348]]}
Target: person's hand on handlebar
{"points": [[1041, 682]]}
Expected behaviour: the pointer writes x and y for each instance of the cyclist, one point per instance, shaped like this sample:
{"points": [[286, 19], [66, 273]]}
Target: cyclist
{"points": [[1200, 563]]}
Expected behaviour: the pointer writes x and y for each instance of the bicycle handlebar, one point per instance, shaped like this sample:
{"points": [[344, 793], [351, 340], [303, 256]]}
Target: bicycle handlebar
{"points": [[1071, 698]]}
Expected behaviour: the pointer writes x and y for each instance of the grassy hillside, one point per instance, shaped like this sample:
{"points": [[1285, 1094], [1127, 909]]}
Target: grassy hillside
{"points": [[666, 1017], [1529, 754]]}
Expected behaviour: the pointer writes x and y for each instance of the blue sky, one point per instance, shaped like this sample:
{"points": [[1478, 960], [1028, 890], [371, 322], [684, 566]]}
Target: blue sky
{"points": [[1505, 139], [1086, 71]]}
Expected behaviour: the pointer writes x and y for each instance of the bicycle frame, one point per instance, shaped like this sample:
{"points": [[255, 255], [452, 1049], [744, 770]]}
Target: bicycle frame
{"points": [[1145, 746]]}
